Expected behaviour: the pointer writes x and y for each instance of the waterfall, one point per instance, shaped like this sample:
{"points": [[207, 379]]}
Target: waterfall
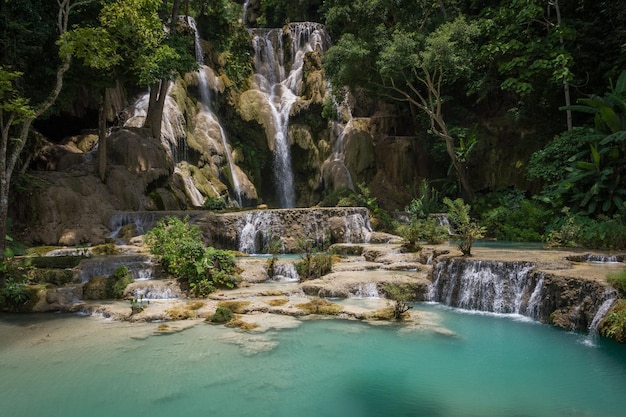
{"points": [[286, 272], [244, 15], [256, 231], [365, 290], [255, 228], [609, 296], [140, 267], [205, 106], [336, 161], [281, 89], [499, 287], [192, 192]]}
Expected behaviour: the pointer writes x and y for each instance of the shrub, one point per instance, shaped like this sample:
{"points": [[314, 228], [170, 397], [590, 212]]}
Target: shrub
{"points": [[106, 249], [426, 203], [222, 315], [180, 250], [422, 230], [400, 295], [14, 294], [600, 233], [314, 266], [467, 230], [524, 220], [214, 203], [118, 281]]}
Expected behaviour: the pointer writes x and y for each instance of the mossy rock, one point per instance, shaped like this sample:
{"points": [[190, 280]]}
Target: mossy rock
{"points": [[234, 306], [181, 313], [96, 289], [52, 276], [320, 306], [242, 325], [55, 262], [222, 315], [276, 302]]}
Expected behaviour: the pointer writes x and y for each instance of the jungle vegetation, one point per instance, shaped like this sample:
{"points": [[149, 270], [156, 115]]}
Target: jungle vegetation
{"points": [[449, 68]]}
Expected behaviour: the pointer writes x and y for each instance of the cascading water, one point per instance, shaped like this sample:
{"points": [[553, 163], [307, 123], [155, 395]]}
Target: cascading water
{"points": [[205, 106], [281, 89], [336, 161], [515, 288], [286, 272], [256, 228], [498, 287]]}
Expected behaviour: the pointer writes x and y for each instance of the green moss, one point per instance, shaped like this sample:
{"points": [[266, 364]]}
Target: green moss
{"points": [[53, 276], [234, 306], [106, 249], [222, 315], [320, 306], [55, 262], [614, 324]]}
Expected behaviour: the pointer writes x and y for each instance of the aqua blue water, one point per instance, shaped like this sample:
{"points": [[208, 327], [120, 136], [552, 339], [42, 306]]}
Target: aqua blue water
{"points": [[491, 366]]}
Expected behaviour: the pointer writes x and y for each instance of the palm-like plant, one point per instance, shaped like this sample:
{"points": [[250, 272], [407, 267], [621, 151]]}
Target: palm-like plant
{"points": [[596, 182]]}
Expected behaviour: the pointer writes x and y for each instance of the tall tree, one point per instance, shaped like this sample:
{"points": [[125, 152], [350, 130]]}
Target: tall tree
{"points": [[409, 66], [17, 114], [154, 51]]}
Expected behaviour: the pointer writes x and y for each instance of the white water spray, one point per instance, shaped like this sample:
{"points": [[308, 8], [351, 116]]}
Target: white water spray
{"points": [[282, 90], [205, 107]]}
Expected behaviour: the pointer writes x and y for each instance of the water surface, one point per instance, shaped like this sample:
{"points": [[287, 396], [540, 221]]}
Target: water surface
{"points": [[60, 365]]}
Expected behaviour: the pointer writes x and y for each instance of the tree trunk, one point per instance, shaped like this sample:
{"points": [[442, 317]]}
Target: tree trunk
{"points": [[102, 135], [175, 12], [10, 155], [154, 116], [566, 92]]}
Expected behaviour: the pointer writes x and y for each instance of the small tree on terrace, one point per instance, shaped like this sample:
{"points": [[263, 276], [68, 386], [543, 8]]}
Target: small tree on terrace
{"points": [[467, 230]]}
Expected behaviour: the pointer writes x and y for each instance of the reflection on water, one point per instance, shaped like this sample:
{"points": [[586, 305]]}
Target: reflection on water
{"points": [[61, 365]]}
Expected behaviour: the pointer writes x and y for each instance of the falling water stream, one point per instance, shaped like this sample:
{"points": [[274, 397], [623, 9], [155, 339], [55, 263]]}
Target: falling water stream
{"points": [[205, 104], [281, 89]]}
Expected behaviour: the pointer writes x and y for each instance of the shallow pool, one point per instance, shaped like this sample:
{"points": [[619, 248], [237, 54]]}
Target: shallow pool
{"points": [[486, 365]]}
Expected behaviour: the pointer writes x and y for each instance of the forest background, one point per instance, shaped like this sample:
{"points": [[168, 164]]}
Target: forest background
{"points": [[547, 75]]}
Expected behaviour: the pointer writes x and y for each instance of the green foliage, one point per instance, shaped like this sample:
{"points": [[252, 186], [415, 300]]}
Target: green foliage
{"points": [[219, 24], [400, 295], [118, 281], [180, 249], [595, 182], [214, 203], [549, 165], [427, 202], [14, 294], [573, 230], [508, 215], [614, 324], [467, 231], [312, 266], [618, 281], [418, 230], [222, 315], [525, 43]]}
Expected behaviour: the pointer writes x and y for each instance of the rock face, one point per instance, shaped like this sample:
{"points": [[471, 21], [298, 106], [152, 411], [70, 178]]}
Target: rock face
{"points": [[250, 232]]}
